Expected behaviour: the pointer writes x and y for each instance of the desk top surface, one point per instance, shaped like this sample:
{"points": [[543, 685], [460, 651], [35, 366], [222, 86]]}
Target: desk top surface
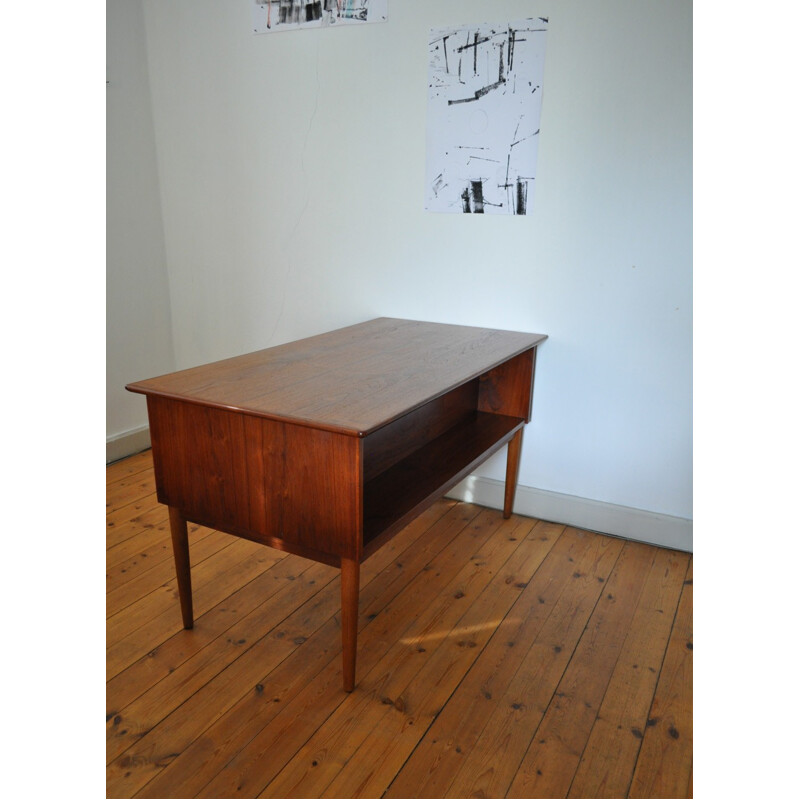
{"points": [[352, 380]]}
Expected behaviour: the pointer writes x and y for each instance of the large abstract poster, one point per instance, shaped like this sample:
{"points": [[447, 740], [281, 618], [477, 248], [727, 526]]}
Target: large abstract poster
{"points": [[484, 104], [270, 16]]}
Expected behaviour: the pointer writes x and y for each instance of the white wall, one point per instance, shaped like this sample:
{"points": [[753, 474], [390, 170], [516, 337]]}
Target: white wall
{"points": [[291, 174], [138, 327]]}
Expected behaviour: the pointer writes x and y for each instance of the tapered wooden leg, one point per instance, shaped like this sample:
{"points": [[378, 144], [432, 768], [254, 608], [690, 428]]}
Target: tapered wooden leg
{"points": [[512, 472], [350, 579], [180, 549]]}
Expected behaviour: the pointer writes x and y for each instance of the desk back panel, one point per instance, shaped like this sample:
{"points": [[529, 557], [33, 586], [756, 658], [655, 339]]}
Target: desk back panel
{"points": [[392, 443], [270, 481]]}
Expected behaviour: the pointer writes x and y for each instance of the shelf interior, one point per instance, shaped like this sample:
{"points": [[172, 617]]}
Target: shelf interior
{"points": [[402, 491]]}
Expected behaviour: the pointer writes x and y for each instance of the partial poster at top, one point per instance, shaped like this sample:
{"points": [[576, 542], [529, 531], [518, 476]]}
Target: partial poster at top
{"points": [[484, 104], [270, 16]]}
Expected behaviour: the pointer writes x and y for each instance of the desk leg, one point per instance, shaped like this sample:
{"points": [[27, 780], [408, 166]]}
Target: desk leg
{"points": [[180, 549], [512, 472], [350, 580]]}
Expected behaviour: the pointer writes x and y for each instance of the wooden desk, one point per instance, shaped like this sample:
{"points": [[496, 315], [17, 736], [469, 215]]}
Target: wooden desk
{"points": [[328, 446]]}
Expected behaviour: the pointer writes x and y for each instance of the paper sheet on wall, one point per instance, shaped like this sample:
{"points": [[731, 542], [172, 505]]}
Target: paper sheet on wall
{"points": [[484, 105], [270, 16]]}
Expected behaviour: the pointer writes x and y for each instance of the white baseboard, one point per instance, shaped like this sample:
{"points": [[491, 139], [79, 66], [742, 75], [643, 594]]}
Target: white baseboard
{"points": [[128, 443], [629, 523]]}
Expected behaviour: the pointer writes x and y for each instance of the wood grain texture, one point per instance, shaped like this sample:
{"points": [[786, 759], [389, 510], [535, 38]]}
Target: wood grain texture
{"points": [[476, 745], [180, 550], [612, 750], [132, 631], [397, 440], [254, 477], [294, 695], [350, 586], [403, 672], [512, 472], [508, 388], [481, 643], [393, 498], [448, 658], [556, 751], [664, 763], [327, 447], [392, 367]]}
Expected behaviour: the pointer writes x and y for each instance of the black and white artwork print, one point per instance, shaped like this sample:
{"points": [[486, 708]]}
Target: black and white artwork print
{"points": [[270, 16], [484, 106]]}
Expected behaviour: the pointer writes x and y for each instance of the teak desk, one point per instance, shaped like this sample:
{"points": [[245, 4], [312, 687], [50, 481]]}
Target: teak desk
{"points": [[328, 446]]}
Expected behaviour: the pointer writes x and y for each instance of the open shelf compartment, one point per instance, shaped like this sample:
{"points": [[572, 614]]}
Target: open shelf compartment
{"points": [[396, 495]]}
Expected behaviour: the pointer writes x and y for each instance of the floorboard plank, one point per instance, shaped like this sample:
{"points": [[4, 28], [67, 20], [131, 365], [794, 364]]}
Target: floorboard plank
{"points": [[664, 766], [130, 489], [570, 589], [314, 626], [608, 761], [371, 769], [142, 538], [126, 522], [555, 751], [495, 658], [148, 584], [383, 699], [214, 579], [431, 768], [151, 548], [204, 758], [257, 764], [166, 658], [281, 593], [141, 462], [129, 610]]}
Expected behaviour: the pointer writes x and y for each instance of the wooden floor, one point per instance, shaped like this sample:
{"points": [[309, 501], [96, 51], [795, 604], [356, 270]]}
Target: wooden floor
{"points": [[496, 658]]}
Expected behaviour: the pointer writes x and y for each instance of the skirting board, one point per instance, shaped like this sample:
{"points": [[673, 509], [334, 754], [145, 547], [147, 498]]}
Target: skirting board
{"points": [[629, 523], [128, 443]]}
